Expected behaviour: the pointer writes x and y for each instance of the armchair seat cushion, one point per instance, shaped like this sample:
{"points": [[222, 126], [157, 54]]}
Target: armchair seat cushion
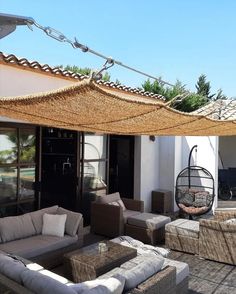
{"points": [[129, 213], [37, 245]]}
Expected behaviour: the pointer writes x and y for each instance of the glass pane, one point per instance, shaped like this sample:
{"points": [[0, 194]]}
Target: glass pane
{"points": [[95, 146], [8, 145], [8, 184], [94, 175], [27, 179], [8, 210], [27, 145]]}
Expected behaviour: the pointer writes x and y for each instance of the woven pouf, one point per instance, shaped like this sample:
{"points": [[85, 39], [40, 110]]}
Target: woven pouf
{"points": [[147, 227], [183, 235]]}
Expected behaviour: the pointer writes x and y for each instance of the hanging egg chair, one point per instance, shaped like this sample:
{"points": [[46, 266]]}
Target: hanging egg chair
{"points": [[194, 190]]}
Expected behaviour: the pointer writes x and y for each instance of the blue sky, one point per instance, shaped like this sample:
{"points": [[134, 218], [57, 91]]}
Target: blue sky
{"points": [[174, 39]]}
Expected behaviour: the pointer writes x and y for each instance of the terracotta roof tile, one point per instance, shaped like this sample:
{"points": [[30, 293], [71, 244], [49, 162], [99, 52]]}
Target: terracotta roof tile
{"points": [[23, 62]]}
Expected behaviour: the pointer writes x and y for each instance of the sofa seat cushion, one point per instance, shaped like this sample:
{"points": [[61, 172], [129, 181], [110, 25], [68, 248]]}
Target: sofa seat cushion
{"points": [[112, 285], [148, 220], [11, 268], [128, 213], [37, 217], [37, 245], [183, 227], [72, 221], [140, 246], [182, 269], [41, 284], [16, 227], [137, 270]]}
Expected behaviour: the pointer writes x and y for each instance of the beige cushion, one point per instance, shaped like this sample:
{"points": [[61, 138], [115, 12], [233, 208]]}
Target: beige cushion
{"points": [[37, 245], [128, 213], [148, 220], [108, 198], [54, 224], [72, 221], [16, 227], [37, 217], [183, 227], [182, 269]]}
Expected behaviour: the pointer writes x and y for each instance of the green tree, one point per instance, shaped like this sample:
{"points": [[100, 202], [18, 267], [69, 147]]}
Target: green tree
{"points": [[220, 95], [84, 71], [190, 103], [204, 88]]}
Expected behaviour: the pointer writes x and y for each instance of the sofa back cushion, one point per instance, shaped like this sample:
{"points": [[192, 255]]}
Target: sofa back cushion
{"points": [[37, 217], [72, 221], [108, 198], [16, 227], [54, 224], [11, 268], [41, 284]]}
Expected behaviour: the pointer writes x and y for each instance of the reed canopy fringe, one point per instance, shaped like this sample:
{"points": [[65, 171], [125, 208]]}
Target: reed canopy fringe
{"points": [[87, 106]]}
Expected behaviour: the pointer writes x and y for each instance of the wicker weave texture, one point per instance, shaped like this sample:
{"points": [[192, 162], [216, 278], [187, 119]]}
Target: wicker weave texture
{"points": [[87, 106], [182, 243], [217, 241]]}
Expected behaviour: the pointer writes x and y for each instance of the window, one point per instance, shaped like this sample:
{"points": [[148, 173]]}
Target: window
{"points": [[17, 168]]}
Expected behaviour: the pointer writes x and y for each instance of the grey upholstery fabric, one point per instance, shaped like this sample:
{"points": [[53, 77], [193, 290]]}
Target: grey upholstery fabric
{"points": [[137, 270], [16, 227], [148, 220], [182, 269], [128, 213], [41, 284], [113, 284], [72, 221], [108, 198], [37, 217], [37, 245], [11, 268], [183, 227]]}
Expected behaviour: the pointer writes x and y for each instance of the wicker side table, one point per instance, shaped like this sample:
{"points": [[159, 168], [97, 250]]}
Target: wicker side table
{"points": [[87, 263], [162, 201]]}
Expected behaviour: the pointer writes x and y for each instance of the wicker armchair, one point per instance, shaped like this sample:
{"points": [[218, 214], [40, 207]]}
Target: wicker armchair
{"points": [[217, 239], [108, 217]]}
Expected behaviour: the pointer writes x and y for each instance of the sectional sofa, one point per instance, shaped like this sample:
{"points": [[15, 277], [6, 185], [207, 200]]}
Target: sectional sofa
{"points": [[22, 236]]}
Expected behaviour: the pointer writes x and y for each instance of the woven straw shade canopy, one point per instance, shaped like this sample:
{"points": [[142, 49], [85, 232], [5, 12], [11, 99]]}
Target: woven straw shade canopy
{"points": [[87, 106]]}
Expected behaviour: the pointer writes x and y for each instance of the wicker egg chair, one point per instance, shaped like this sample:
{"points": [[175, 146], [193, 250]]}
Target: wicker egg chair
{"points": [[194, 191]]}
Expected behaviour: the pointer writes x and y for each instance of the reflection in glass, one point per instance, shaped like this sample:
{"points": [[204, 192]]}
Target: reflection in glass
{"points": [[94, 175], [8, 184], [27, 145], [8, 145], [95, 146], [27, 179]]}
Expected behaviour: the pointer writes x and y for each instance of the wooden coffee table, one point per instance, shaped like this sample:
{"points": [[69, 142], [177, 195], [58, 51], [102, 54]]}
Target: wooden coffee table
{"points": [[87, 263]]}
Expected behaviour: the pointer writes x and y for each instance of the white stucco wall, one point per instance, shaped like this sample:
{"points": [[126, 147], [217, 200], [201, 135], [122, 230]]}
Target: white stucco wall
{"points": [[146, 169], [174, 152], [15, 81], [227, 145]]}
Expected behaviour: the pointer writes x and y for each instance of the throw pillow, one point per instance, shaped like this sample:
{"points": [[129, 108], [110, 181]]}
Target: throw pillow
{"points": [[72, 221], [54, 224], [114, 284]]}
